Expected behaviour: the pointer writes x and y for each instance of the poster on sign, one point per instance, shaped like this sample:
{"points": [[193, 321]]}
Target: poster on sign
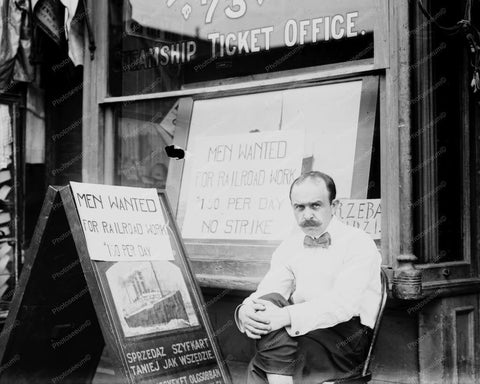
{"points": [[365, 214], [239, 185], [127, 227], [147, 287]]}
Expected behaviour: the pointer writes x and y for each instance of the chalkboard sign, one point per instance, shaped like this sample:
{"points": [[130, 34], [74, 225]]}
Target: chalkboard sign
{"points": [[107, 275]]}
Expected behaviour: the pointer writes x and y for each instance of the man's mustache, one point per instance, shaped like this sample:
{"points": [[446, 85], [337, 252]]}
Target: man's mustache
{"points": [[309, 223]]}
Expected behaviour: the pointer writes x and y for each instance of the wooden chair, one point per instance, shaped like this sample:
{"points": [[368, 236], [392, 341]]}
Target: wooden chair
{"points": [[366, 375]]}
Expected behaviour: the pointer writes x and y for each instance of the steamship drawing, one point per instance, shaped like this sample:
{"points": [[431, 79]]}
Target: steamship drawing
{"points": [[151, 306], [150, 297]]}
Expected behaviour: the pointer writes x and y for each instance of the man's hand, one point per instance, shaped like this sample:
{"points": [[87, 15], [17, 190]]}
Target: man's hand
{"points": [[249, 316], [276, 316]]}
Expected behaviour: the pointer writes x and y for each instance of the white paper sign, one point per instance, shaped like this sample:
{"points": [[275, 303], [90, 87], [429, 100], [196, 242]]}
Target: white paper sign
{"points": [[365, 214], [122, 223], [239, 185]]}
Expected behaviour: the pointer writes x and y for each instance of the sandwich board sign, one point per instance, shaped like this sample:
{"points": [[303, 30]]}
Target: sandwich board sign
{"points": [[107, 295]]}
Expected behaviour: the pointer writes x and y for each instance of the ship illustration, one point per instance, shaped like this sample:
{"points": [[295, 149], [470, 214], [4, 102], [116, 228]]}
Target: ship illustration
{"points": [[151, 305]]}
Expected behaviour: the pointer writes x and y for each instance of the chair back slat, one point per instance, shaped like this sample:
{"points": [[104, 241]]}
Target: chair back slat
{"points": [[378, 320]]}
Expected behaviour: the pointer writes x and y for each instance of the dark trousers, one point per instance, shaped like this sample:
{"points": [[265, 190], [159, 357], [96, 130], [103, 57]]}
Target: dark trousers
{"points": [[322, 354]]}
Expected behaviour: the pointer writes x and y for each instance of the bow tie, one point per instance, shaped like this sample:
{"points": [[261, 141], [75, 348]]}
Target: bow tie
{"points": [[323, 241]]}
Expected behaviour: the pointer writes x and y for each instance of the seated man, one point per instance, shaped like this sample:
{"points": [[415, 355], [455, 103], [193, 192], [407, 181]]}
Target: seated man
{"points": [[313, 312]]}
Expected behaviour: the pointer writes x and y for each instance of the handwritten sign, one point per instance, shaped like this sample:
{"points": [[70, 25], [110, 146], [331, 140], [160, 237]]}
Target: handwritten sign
{"points": [[364, 214], [239, 185], [122, 224]]}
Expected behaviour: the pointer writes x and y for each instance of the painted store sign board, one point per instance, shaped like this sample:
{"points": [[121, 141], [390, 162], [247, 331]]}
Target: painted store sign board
{"points": [[248, 26], [134, 294]]}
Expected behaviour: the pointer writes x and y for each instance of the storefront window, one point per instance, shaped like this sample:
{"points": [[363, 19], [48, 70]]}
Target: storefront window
{"points": [[162, 46]]}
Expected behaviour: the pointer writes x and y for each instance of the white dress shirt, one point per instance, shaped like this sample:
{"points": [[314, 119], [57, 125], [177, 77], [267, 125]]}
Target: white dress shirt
{"points": [[326, 285]]}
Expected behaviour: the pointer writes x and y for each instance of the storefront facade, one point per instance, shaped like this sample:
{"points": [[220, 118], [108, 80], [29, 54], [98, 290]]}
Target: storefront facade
{"points": [[257, 92]]}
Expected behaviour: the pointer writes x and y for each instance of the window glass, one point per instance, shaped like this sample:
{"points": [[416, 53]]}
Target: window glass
{"points": [[159, 46], [440, 135], [143, 130]]}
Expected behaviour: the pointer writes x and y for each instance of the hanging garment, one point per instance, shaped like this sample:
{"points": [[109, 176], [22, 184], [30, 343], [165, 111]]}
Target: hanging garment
{"points": [[49, 18], [15, 43], [74, 22]]}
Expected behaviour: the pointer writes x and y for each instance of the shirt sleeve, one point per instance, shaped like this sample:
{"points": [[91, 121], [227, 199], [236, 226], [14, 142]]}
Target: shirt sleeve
{"points": [[278, 279], [342, 302]]}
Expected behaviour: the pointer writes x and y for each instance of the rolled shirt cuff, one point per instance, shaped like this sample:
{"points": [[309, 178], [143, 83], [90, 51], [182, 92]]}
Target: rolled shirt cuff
{"points": [[293, 329], [239, 324], [301, 322], [237, 320]]}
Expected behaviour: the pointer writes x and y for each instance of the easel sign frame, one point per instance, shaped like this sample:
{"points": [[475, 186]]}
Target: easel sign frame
{"points": [[147, 305]]}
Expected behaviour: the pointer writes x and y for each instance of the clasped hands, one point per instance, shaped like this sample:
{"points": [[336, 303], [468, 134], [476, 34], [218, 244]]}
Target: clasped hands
{"points": [[260, 317]]}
